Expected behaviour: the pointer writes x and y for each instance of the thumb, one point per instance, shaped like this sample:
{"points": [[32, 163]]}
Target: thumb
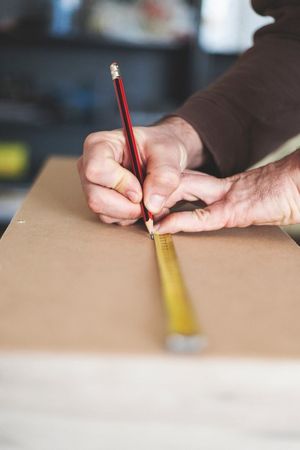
{"points": [[164, 168], [213, 217]]}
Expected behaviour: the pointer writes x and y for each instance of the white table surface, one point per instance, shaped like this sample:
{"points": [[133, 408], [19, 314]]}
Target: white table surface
{"points": [[88, 402]]}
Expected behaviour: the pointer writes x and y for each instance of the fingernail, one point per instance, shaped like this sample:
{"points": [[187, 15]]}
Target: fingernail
{"points": [[133, 196], [156, 202]]}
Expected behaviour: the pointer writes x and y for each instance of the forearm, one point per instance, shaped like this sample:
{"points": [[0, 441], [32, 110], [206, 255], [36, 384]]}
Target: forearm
{"points": [[256, 105]]}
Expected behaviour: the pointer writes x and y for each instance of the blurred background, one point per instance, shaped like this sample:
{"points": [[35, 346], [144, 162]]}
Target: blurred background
{"points": [[55, 85]]}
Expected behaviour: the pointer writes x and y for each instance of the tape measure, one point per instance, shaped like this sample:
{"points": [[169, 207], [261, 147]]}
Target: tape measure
{"points": [[183, 331]]}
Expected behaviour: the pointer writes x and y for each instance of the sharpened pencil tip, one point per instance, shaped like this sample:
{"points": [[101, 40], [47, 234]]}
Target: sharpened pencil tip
{"points": [[149, 226]]}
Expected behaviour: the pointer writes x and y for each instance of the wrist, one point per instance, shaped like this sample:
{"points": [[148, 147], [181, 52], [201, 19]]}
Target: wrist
{"points": [[188, 136]]}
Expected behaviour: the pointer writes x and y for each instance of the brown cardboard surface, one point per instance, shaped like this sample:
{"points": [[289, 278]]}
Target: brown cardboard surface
{"points": [[70, 283]]}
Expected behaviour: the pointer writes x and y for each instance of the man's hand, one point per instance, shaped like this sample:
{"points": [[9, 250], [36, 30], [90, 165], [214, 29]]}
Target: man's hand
{"points": [[269, 195], [113, 192]]}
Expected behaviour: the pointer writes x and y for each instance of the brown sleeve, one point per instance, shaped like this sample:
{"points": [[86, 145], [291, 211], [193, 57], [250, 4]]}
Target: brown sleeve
{"points": [[255, 106]]}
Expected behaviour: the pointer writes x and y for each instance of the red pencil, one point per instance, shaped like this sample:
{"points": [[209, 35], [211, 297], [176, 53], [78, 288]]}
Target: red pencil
{"points": [[130, 139]]}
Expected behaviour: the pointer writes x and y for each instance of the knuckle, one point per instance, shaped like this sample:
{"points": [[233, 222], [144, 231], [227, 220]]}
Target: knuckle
{"points": [[108, 142], [125, 223], [106, 219], [91, 172], [94, 203], [103, 172], [90, 140]]}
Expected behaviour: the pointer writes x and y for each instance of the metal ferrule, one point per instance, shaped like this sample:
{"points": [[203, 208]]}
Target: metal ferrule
{"points": [[115, 71]]}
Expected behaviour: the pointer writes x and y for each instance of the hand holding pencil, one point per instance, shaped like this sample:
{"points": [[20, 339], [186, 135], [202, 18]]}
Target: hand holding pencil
{"points": [[113, 192], [265, 196]]}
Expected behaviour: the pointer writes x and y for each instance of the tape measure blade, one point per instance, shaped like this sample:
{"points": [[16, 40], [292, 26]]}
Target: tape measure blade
{"points": [[183, 332]]}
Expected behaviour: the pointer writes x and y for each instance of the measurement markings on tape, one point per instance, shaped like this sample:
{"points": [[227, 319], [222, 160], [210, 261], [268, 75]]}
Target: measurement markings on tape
{"points": [[183, 331]]}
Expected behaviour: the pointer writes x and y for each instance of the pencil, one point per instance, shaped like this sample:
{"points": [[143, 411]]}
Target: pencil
{"points": [[130, 139]]}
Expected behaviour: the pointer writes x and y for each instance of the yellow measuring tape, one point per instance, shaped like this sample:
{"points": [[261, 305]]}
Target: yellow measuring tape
{"points": [[183, 331]]}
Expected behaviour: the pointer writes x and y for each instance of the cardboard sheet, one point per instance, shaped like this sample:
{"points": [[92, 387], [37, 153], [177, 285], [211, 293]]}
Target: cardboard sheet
{"points": [[70, 283]]}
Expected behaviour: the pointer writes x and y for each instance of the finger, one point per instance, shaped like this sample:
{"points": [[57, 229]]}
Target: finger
{"points": [[199, 186], [111, 220], [100, 166], [107, 219], [163, 176], [126, 223], [213, 217], [110, 203], [163, 213]]}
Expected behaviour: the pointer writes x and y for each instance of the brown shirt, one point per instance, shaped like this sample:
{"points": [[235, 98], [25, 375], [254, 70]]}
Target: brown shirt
{"points": [[255, 106]]}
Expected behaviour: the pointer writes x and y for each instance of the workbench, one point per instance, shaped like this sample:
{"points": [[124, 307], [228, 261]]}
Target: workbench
{"points": [[82, 357]]}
